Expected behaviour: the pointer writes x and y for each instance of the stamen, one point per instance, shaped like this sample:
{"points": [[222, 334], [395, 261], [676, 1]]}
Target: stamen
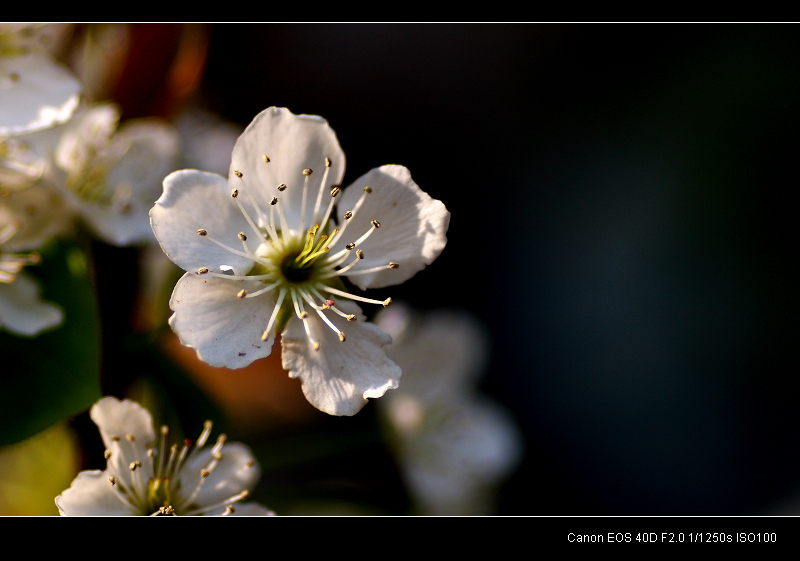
{"points": [[259, 234], [367, 190], [392, 265], [361, 240], [264, 290], [303, 315], [275, 310], [227, 502], [334, 192], [307, 173], [321, 189], [343, 270], [318, 309], [384, 303], [330, 304], [234, 251], [161, 454], [265, 276]]}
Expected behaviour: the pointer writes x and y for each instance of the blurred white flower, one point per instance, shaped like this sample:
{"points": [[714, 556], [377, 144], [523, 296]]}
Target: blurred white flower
{"points": [[28, 219], [453, 444], [36, 92], [111, 177], [142, 478], [291, 256]]}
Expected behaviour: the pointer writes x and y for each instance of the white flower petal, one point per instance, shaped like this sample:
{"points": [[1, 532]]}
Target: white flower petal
{"points": [[292, 143], [91, 494], [341, 375], [21, 310], [223, 329], [230, 476], [117, 421], [35, 93], [412, 226], [192, 200]]}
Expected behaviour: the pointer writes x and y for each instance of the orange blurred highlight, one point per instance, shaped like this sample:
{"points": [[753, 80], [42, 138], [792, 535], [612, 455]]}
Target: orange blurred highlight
{"points": [[255, 398]]}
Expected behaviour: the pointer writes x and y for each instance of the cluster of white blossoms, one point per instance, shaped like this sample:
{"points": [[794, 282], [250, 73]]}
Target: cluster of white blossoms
{"points": [[145, 476], [266, 250], [65, 160]]}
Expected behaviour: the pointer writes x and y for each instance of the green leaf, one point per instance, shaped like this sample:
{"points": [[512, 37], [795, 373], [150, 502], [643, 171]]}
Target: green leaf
{"points": [[56, 374]]}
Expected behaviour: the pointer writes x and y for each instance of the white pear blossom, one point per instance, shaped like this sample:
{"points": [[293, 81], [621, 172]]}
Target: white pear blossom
{"points": [[110, 176], [263, 255], [36, 92], [145, 477], [28, 219], [453, 444]]}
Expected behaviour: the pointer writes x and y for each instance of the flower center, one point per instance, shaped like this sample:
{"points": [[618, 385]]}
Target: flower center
{"points": [[298, 264], [159, 484]]}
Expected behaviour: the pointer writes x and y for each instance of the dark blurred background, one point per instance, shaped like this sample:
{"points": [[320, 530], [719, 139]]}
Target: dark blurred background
{"points": [[623, 203]]}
